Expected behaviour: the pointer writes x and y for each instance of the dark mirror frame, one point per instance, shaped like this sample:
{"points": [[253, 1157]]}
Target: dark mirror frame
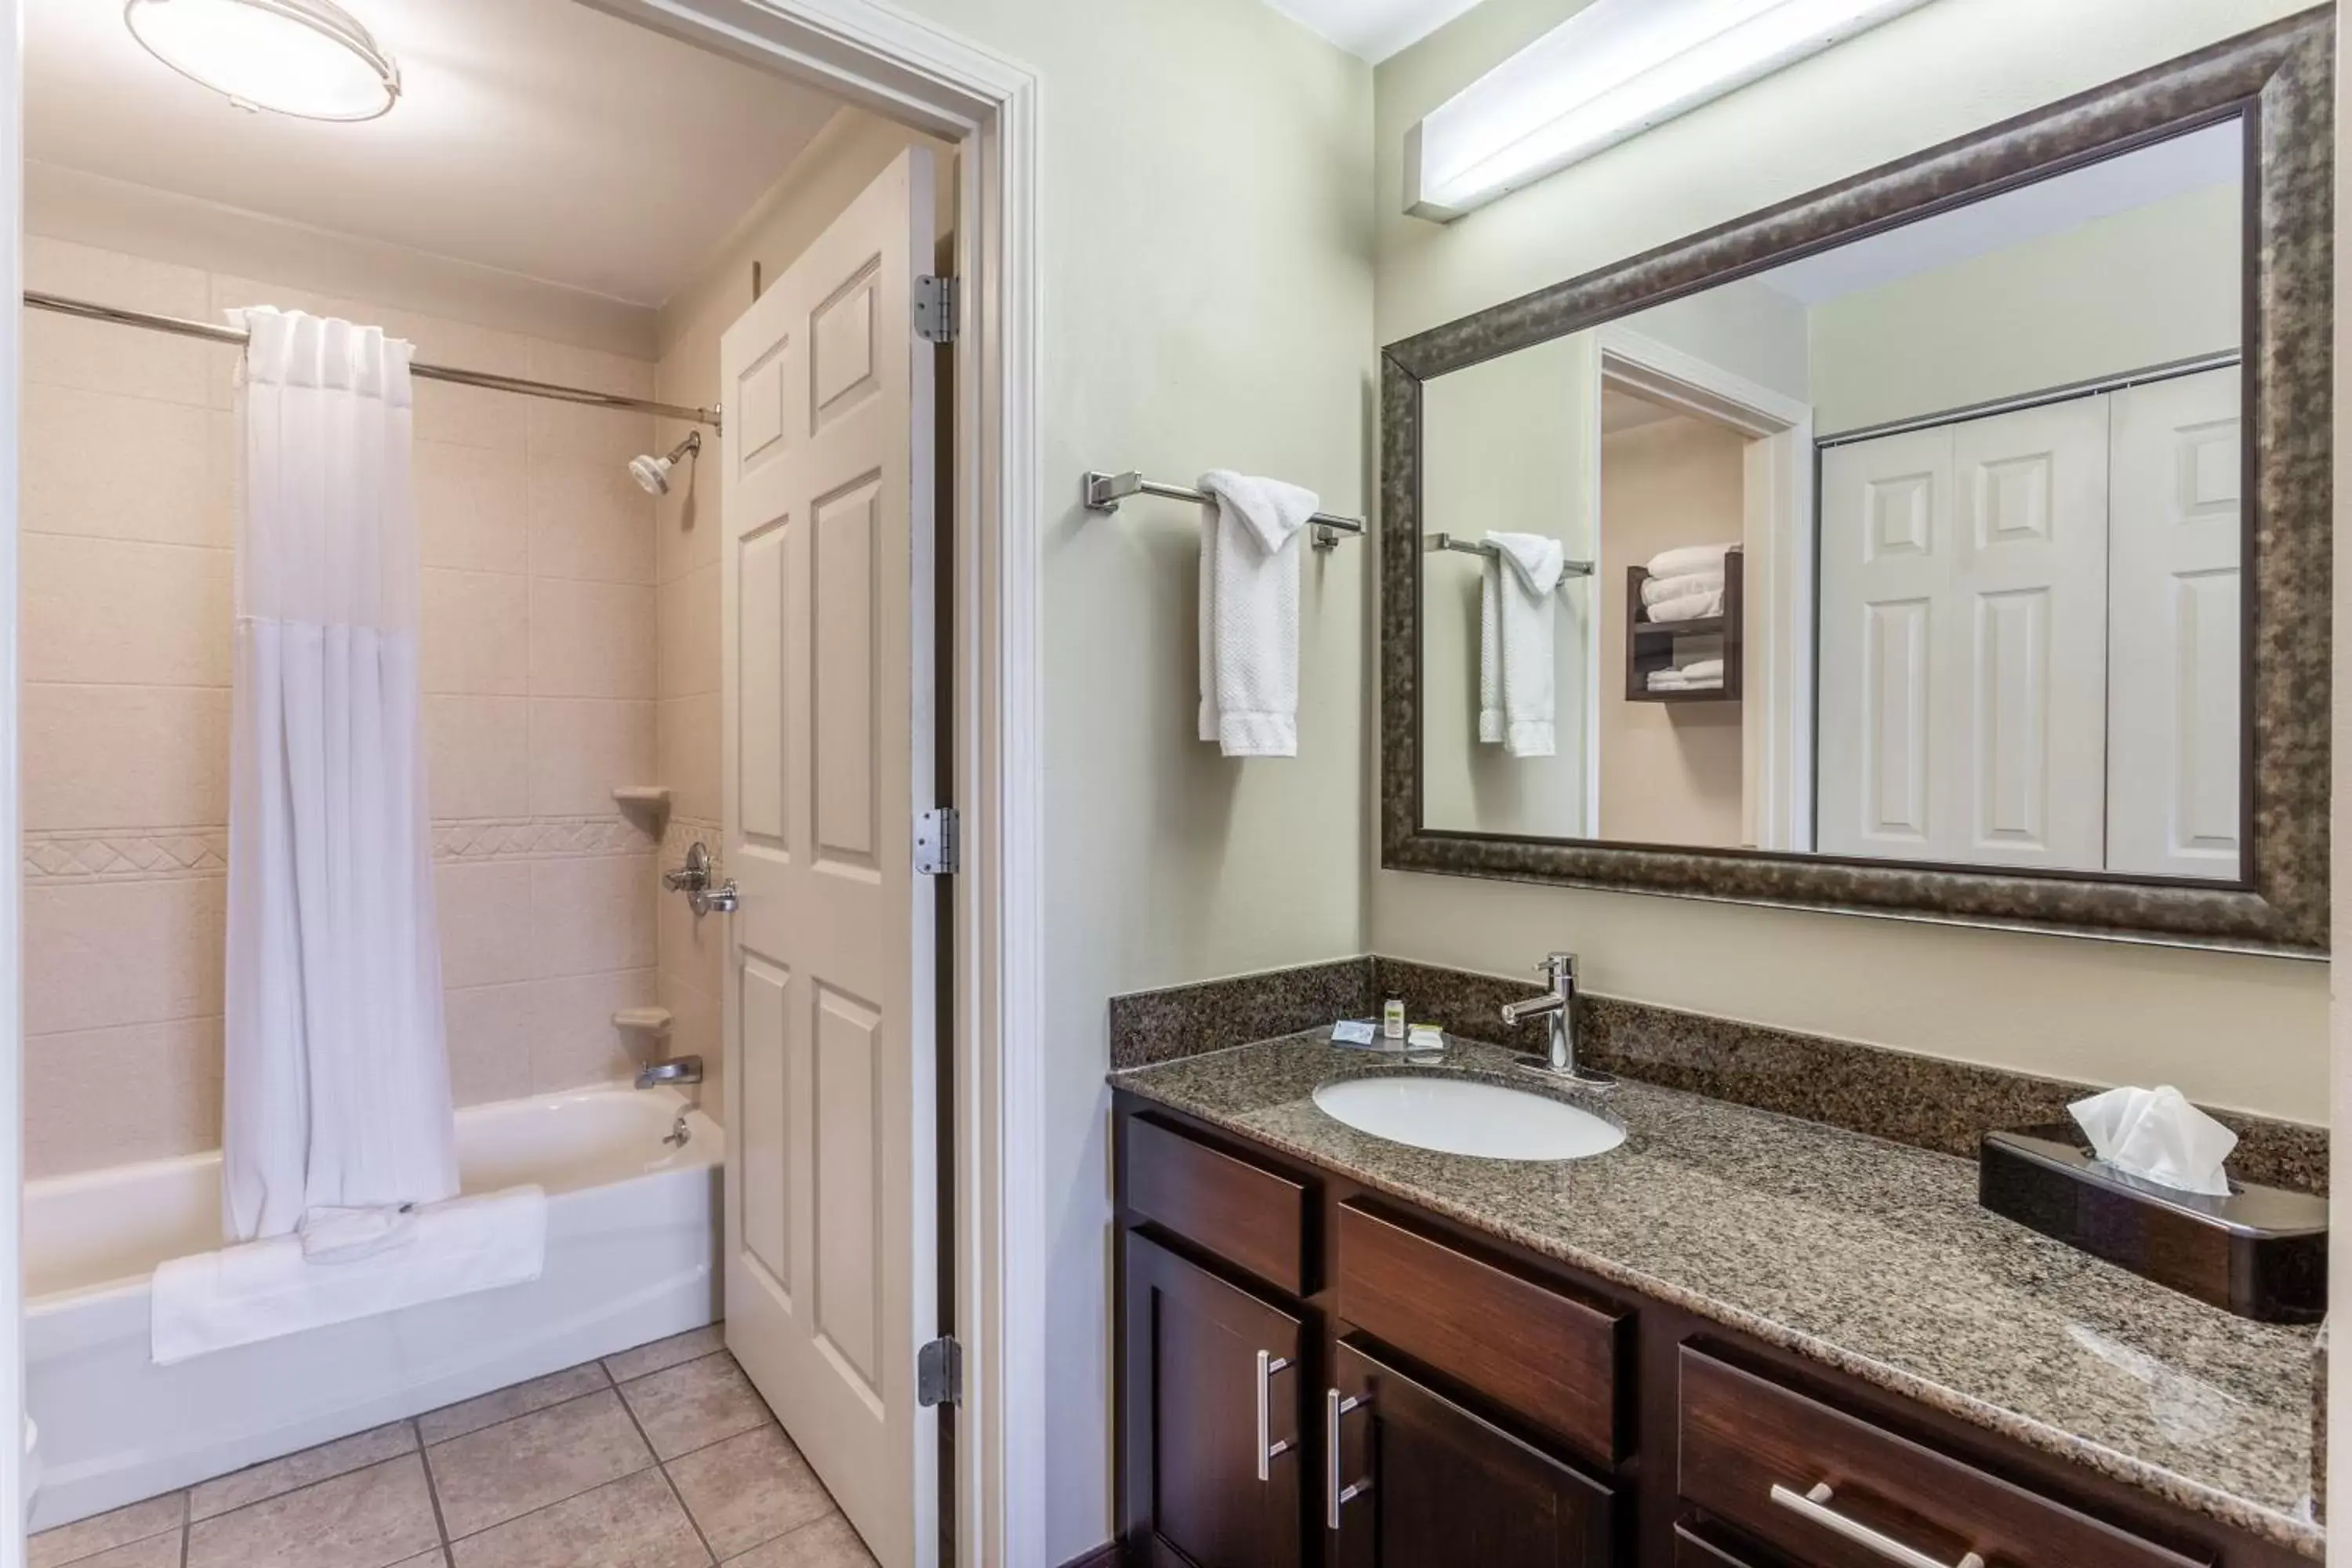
{"points": [[2277, 80]]}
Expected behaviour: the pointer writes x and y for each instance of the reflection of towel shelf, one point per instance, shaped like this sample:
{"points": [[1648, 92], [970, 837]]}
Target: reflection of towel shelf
{"points": [[1650, 645]]}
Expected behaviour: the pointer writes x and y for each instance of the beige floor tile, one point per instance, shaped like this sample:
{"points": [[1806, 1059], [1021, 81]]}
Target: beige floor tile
{"points": [[489, 1477], [751, 1487], [437, 1558], [312, 1465], [695, 1405], [635, 1522], [155, 1552], [829, 1542], [89, 1537], [368, 1519], [653, 1357], [506, 1403]]}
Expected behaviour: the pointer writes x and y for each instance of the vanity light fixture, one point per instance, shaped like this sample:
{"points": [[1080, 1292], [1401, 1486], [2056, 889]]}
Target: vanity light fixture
{"points": [[1612, 71], [309, 59]]}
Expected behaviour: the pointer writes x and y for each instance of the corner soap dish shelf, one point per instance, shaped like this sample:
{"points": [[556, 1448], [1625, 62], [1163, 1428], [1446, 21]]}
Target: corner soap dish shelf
{"points": [[655, 1021]]}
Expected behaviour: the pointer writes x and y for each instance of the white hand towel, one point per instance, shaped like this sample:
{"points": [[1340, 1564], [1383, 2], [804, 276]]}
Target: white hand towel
{"points": [[332, 1235], [1249, 614], [1654, 589], [1515, 642], [1689, 607], [1701, 669], [1689, 558], [262, 1289]]}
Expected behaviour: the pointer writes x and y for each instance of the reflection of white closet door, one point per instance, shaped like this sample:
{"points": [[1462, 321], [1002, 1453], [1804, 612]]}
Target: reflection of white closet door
{"points": [[2173, 751], [1963, 649], [1887, 540]]}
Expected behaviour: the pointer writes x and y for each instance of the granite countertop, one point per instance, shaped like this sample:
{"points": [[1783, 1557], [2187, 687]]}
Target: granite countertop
{"points": [[1869, 1256]]}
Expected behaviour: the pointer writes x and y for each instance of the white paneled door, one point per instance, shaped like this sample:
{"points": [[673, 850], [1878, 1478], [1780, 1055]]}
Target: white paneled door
{"points": [[1963, 651], [831, 1258], [2172, 752]]}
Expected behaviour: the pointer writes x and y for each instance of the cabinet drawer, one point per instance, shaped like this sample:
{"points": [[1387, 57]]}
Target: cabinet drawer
{"points": [[1758, 1454], [1543, 1356], [1244, 1213]]}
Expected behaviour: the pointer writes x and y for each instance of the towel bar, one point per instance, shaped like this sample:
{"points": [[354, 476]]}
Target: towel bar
{"points": [[1103, 492], [1434, 543]]}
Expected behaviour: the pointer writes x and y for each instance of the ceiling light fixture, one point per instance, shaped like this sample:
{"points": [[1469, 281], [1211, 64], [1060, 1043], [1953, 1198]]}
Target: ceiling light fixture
{"points": [[311, 59], [1612, 71]]}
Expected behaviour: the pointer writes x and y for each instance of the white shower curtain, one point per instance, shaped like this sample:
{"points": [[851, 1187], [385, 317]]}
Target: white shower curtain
{"points": [[338, 1078]]}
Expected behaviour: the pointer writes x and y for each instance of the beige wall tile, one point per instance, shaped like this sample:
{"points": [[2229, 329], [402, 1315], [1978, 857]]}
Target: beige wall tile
{"points": [[471, 416], [107, 612], [687, 521], [573, 1040], [687, 750], [99, 954], [591, 639], [593, 915], [161, 1095], [64, 351], [582, 748], [103, 464], [125, 756], [474, 633], [695, 1031], [473, 507], [588, 520], [690, 948], [686, 620], [606, 435], [594, 369], [484, 909], [478, 755], [489, 1031]]}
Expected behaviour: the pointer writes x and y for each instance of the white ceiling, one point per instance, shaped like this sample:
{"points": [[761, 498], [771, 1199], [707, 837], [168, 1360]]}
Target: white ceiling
{"points": [[1621, 410], [536, 136], [2214, 156], [1372, 29]]}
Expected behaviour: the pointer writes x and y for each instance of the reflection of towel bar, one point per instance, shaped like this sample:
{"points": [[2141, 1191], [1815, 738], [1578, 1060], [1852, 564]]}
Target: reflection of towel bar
{"points": [[1436, 542], [1103, 492]]}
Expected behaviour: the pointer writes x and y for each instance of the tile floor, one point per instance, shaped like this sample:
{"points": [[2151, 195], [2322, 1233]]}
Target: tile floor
{"points": [[661, 1456]]}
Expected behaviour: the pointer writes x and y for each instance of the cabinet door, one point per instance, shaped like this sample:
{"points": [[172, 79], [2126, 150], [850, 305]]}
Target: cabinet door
{"points": [[1212, 1373], [1434, 1486]]}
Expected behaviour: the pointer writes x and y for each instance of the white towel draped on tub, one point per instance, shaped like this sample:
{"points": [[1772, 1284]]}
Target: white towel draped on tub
{"points": [[1516, 616], [1249, 614], [337, 1090], [241, 1295]]}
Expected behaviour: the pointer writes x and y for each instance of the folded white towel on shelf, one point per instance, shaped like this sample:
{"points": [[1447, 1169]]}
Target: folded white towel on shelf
{"points": [[1691, 606], [261, 1290], [1700, 670], [1689, 558], [1676, 680], [1516, 613], [1249, 613], [1654, 589]]}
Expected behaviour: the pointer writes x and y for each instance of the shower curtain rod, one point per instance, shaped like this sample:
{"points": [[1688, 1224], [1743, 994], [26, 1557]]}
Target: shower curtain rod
{"points": [[90, 311]]}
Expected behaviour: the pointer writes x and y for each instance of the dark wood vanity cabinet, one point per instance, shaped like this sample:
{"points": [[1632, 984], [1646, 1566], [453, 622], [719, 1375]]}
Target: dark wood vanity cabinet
{"points": [[1493, 1408]]}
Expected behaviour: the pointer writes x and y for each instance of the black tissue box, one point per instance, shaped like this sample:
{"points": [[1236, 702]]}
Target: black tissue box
{"points": [[2261, 1252]]}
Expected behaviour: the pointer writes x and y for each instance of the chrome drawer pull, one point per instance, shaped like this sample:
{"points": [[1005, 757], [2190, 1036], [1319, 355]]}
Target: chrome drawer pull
{"points": [[1334, 1408], [1268, 1363], [1814, 1506]]}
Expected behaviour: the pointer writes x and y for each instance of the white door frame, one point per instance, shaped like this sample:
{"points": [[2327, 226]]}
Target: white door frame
{"points": [[1778, 673], [901, 66]]}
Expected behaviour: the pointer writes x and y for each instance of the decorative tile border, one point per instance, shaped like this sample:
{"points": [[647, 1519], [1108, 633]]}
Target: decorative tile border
{"points": [[126, 854]]}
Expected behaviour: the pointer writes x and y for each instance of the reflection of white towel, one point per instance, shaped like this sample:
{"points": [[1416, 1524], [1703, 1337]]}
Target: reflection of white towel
{"points": [[1689, 558], [1689, 607], [1515, 642], [263, 1289], [1654, 589], [1249, 614]]}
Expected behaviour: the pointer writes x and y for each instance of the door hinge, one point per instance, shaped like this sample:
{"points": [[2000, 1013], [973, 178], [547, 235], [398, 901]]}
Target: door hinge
{"points": [[939, 309], [938, 1373], [939, 842]]}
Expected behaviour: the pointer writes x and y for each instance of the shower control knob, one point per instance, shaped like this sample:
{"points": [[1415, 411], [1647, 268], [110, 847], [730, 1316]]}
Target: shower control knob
{"points": [[718, 900]]}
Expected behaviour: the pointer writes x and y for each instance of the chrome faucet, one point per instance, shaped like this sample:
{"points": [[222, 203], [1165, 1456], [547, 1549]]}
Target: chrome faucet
{"points": [[1557, 1004], [678, 1069], [698, 880]]}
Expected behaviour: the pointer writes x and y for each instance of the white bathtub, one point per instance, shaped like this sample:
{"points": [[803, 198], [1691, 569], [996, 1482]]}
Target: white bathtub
{"points": [[632, 1256]]}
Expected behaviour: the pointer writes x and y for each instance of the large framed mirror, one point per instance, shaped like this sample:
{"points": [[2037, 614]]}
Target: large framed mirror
{"points": [[1951, 543]]}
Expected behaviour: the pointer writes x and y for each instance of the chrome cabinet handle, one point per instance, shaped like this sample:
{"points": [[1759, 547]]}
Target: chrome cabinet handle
{"points": [[1268, 1363], [1814, 1506], [1340, 1497]]}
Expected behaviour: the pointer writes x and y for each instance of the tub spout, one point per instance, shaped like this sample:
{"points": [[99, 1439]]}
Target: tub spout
{"points": [[678, 1070]]}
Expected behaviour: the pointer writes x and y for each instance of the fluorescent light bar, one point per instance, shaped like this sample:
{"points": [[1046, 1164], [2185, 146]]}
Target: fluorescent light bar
{"points": [[1609, 72]]}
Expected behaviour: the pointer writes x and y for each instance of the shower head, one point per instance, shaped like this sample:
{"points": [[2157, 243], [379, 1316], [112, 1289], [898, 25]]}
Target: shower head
{"points": [[652, 473]]}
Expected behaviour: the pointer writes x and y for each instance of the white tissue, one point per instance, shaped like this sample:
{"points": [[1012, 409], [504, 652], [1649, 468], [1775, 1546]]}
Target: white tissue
{"points": [[2156, 1135]]}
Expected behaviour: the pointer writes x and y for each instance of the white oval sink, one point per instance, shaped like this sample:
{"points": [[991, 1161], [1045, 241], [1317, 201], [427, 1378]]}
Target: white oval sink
{"points": [[1464, 1116]]}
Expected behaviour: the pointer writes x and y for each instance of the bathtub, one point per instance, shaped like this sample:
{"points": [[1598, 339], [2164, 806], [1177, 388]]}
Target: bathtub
{"points": [[632, 1256]]}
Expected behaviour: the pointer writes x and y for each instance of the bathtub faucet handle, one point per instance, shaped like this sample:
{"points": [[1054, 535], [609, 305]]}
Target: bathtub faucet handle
{"points": [[678, 1069]]}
